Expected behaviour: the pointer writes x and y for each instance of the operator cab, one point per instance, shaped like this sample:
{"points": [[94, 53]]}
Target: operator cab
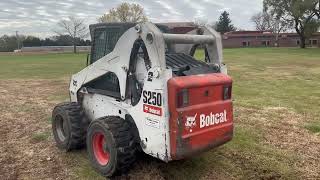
{"points": [[104, 39], [105, 36]]}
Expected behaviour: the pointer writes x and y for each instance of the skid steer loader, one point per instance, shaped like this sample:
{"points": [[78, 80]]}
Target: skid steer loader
{"points": [[143, 90]]}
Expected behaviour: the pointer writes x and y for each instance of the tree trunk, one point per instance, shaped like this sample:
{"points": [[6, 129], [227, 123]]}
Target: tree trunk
{"points": [[301, 32], [75, 40], [302, 41], [74, 48], [277, 40]]}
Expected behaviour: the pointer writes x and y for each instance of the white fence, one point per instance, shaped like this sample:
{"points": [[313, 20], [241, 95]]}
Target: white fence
{"points": [[55, 49]]}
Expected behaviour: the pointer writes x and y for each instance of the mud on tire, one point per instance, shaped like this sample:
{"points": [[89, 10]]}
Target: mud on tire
{"points": [[69, 126], [111, 145]]}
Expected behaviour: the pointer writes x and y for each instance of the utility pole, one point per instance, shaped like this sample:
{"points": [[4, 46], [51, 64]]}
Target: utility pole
{"points": [[18, 39]]}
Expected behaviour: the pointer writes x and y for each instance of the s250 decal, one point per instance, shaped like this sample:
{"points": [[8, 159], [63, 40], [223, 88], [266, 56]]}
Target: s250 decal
{"points": [[152, 103], [152, 98]]}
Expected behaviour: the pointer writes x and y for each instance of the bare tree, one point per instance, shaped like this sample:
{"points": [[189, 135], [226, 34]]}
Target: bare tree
{"points": [[264, 21], [125, 12], [261, 21], [75, 28], [279, 25]]}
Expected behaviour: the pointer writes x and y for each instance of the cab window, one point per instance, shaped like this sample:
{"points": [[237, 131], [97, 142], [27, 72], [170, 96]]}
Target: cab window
{"points": [[104, 41], [107, 84]]}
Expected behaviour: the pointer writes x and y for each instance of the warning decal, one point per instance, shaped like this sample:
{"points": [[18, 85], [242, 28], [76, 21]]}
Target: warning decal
{"points": [[153, 123]]}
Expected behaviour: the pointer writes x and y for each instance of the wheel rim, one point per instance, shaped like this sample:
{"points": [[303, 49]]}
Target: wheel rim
{"points": [[100, 149], [61, 127]]}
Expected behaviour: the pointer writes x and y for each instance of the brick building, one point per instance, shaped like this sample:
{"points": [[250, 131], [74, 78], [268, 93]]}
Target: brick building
{"points": [[239, 39], [180, 27], [266, 39]]}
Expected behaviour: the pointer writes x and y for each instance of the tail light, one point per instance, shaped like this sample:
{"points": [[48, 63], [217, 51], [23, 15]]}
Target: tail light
{"points": [[183, 98], [227, 92]]}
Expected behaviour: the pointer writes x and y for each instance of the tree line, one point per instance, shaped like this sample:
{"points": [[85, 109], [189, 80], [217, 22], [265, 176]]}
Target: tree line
{"points": [[10, 43], [276, 16]]}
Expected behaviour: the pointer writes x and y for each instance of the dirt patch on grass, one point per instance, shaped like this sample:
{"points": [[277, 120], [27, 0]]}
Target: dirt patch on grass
{"points": [[27, 148], [289, 133], [284, 129]]}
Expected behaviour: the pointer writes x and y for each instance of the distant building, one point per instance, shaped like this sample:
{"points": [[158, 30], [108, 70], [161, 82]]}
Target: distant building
{"points": [[266, 39], [239, 39], [180, 27]]}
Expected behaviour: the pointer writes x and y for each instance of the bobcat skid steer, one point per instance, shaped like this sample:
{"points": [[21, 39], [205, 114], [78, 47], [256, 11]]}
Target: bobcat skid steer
{"points": [[144, 91]]}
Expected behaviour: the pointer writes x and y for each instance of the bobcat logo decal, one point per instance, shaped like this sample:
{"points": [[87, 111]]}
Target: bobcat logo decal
{"points": [[191, 122]]}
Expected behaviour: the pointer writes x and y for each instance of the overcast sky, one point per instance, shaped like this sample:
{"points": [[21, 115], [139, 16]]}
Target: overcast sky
{"points": [[39, 17]]}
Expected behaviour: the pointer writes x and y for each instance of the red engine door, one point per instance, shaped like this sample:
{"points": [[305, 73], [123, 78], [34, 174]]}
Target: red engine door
{"points": [[201, 114]]}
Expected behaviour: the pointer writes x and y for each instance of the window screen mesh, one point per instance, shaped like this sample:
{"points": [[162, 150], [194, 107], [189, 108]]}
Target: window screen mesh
{"points": [[105, 40], [99, 44]]}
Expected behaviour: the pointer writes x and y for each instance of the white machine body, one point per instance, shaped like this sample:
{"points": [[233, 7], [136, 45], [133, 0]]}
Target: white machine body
{"points": [[151, 113]]}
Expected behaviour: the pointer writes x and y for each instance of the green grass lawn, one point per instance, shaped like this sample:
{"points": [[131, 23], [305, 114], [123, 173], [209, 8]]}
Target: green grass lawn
{"points": [[277, 77], [47, 66], [263, 77]]}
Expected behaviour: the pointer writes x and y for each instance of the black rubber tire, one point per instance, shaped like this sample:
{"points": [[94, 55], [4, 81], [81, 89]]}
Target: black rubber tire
{"points": [[119, 141], [72, 134]]}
